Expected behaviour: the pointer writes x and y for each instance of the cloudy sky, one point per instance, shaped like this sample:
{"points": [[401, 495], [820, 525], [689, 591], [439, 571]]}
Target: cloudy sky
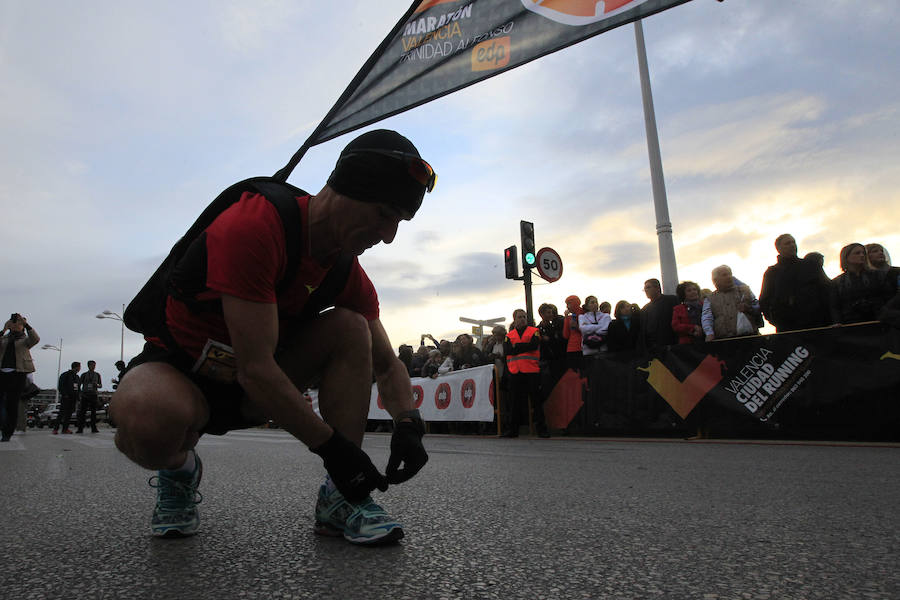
{"points": [[121, 121]]}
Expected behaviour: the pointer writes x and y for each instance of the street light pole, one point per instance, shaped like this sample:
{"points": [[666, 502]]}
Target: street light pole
{"points": [[58, 364], [108, 314]]}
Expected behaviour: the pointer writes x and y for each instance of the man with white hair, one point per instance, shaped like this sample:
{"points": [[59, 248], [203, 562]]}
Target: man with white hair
{"points": [[719, 318]]}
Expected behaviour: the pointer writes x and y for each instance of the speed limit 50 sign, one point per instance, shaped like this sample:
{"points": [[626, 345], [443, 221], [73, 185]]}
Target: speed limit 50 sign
{"points": [[549, 264]]}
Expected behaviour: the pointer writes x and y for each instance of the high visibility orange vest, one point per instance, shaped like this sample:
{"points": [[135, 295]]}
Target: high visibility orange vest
{"points": [[528, 361]]}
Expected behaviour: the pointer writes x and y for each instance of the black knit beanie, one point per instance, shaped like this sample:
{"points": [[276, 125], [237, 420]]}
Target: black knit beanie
{"points": [[373, 177]]}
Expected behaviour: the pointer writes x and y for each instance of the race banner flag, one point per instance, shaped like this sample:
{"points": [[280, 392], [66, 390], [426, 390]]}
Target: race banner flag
{"points": [[441, 46]]}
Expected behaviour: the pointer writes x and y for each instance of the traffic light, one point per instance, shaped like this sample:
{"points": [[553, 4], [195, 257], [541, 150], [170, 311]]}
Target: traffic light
{"points": [[512, 262], [528, 251]]}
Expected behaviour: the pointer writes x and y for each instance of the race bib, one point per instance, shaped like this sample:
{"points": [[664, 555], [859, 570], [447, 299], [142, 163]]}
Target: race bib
{"points": [[217, 363]]}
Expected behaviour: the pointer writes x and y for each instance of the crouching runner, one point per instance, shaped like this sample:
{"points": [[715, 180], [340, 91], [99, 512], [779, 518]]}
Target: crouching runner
{"points": [[241, 343]]}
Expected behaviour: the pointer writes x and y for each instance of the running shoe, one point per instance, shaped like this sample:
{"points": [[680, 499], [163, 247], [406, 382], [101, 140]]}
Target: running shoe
{"points": [[176, 501], [365, 523]]}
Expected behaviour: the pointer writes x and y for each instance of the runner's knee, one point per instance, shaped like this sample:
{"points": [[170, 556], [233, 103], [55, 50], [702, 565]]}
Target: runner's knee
{"points": [[156, 412]]}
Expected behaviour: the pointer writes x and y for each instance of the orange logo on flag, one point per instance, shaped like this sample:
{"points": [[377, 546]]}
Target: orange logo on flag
{"points": [[578, 12], [426, 4], [492, 54], [683, 396]]}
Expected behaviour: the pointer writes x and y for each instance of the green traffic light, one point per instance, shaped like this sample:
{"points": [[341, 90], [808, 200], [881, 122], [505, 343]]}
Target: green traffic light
{"points": [[529, 258]]}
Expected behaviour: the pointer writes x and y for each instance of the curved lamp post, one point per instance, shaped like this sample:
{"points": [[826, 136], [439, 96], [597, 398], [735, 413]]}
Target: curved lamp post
{"points": [[108, 314], [58, 363]]}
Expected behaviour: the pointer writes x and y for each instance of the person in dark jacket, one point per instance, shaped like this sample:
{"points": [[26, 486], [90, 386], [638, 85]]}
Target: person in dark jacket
{"points": [[90, 397], [859, 293], [624, 330], [553, 347], [795, 291], [656, 316], [68, 386]]}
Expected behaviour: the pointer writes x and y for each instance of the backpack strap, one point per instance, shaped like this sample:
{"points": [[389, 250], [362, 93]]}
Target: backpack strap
{"points": [[146, 312]]}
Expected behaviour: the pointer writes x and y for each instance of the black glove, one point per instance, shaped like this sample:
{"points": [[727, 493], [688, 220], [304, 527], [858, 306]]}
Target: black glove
{"points": [[406, 447], [350, 468]]}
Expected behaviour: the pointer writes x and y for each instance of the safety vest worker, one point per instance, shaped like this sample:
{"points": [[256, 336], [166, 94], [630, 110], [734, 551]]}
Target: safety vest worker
{"points": [[526, 362]]}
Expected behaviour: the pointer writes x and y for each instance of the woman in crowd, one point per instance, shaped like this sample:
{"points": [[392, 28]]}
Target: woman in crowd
{"points": [[624, 330], [572, 334], [594, 326], [880, 260], [859, 293], [686, 316]]}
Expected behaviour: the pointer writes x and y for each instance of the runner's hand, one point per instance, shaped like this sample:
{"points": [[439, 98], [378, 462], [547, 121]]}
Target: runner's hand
{"points": [[350, 468], [406, 448]]}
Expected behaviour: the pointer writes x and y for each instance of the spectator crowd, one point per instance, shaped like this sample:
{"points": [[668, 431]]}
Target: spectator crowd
{"points": [[795, 294]]}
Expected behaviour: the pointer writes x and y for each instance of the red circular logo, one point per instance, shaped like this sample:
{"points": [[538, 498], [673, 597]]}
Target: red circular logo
{"points": [[491, 392], [418, 395], [468, 393], [442, 396]]}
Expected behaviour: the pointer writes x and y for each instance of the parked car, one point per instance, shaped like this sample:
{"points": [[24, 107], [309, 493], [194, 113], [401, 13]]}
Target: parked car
{"points": [[49, 416]]}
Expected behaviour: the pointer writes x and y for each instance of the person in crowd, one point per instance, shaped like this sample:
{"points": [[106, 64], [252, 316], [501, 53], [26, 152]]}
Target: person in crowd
{"points": [[574, 356], [436, 364], [522, 351], [120, 370], [720, 315], [859, 293], [89, 393], [656, 316], [18, 338], [418, 360], [446, 347], [605, 307], [553, 347], [492, 347], [163, 404], [686, 317], [795, 291], [467, 355], [405, 354], [625, 329], [68, 385], [594, 326], [428, 336], [880, 260]]}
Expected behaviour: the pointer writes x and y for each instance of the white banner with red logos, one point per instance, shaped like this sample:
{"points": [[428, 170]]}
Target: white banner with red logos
{"points": [[466, 395]]}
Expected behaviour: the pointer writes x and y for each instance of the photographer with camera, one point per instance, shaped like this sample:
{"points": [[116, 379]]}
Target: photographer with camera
{"points": [[15, 364]]}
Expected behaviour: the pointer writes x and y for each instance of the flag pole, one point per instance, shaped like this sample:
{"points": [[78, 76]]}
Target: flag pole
{"points": [[668, 268]]}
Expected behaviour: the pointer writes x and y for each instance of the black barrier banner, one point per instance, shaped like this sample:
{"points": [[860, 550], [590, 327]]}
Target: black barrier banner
{"points": [[756, 376], [440, 46]]}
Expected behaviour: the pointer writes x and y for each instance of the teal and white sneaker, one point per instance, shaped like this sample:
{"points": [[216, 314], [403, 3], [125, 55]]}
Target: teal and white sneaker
{"points": [[365, 523], [176, 501]]}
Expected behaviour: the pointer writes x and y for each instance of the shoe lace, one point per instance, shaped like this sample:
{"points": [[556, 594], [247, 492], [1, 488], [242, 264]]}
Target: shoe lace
{"points": [[174, 495]]}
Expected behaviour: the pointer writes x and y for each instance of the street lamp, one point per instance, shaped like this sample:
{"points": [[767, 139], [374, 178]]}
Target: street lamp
{"points": [[58, 363], [108, 314]]}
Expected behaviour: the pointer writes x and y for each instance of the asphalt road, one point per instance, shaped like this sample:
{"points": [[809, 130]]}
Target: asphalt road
{"points": [[487, 518]]}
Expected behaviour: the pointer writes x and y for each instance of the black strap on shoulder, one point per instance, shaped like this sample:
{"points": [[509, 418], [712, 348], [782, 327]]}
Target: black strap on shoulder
{"points": [[146, 312], [283, 197]]}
